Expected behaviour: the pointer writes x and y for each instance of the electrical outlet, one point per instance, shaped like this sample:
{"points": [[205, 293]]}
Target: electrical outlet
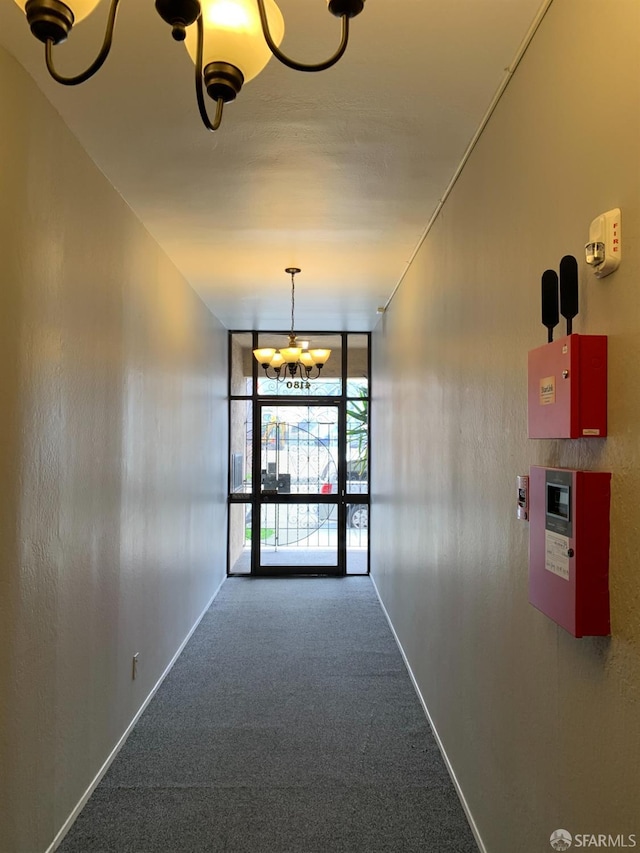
{"points": [[134, 667]]}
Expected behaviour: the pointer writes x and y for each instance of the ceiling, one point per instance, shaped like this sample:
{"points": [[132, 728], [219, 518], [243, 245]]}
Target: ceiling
{"points": [[337, 173]]}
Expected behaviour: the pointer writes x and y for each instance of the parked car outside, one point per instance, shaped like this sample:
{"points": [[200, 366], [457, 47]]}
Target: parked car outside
{"points": [[357, 484]]}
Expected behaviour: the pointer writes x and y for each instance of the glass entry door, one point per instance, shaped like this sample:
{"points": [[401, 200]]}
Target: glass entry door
{"points": [[298, 506], [299, 461]]}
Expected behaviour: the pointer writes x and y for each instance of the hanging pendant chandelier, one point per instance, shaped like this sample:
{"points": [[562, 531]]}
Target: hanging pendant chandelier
{"points": [[295, 359], [230, 44]]}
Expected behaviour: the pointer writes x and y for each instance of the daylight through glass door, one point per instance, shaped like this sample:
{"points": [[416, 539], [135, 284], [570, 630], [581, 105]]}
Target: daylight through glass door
{"points": [[299, 495]]}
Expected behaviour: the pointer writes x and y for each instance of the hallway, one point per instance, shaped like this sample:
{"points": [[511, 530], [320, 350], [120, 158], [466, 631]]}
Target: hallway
{"points": [[289, 724]]}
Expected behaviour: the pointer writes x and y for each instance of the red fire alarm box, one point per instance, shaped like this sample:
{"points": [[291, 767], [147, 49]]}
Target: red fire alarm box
{"points": [[569, 548], [567, 394]]}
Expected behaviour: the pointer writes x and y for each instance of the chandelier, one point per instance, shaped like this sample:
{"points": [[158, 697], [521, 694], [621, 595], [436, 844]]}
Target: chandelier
{"points": [[295, 358], [231, 42]]}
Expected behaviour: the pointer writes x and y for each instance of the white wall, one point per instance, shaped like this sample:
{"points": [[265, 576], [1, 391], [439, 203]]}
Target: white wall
{"points": [[113, 460], [541, 729]]}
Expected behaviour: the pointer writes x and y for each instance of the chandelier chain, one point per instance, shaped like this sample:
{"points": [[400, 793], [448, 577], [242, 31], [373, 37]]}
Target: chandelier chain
{"points": [[296, 359], [293, 302]]}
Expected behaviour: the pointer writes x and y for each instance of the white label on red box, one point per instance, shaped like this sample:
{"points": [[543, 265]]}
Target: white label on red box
{"points": [[547, 390], [556, 554]]}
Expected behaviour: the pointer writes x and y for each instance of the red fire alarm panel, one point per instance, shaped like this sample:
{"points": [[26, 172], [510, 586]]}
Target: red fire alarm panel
{"points": [[567, 394], [569, 548]]}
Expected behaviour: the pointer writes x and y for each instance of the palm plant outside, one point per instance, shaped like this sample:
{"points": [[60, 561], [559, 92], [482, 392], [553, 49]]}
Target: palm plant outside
{"points": [[358, 432]]}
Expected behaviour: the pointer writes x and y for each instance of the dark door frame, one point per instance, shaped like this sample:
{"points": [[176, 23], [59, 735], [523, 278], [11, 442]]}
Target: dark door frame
{"points": [[261, 498], [340, 500]]}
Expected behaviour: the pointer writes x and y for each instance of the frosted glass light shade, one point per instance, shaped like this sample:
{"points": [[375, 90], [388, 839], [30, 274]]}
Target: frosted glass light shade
{"points": [[307, 359], [291, 354], [264, 355], [80, 8], [320, 356], [277, 361], [233, 34]]}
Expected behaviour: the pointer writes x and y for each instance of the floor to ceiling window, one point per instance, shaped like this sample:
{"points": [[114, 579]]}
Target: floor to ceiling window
{"points": [[299, 460]]}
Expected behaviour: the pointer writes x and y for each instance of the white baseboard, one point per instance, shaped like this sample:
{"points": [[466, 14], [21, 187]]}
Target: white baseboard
{"points": [[66, 826], [463, 801]]}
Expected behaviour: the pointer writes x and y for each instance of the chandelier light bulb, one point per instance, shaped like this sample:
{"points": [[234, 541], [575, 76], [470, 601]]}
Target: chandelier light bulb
{"points": [[233, 34]]}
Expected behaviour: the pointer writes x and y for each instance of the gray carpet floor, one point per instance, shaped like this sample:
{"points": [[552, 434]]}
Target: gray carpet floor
{"points": [[289, 724]]}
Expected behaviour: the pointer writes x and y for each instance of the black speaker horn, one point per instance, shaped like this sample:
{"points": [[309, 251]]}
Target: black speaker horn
{"points": [[569, 289], [550, 308]]}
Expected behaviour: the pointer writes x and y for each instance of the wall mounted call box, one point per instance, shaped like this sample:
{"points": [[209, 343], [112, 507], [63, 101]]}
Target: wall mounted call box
{"points": [[569, 548], [567, 388]]}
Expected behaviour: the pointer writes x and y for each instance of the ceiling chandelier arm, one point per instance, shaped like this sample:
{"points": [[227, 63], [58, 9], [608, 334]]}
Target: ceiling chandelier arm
{"points": [[98, 62], [203, 112], [202, 107], [292, 63]]}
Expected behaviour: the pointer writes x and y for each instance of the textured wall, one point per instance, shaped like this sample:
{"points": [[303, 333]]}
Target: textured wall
{"points": [[541, 729], [113, 462]]}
